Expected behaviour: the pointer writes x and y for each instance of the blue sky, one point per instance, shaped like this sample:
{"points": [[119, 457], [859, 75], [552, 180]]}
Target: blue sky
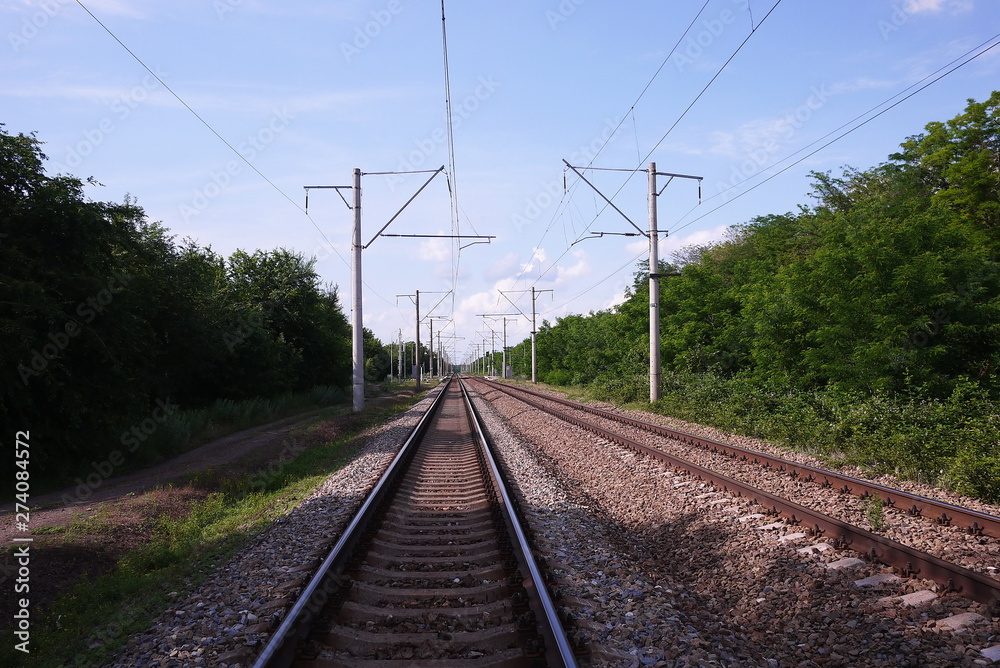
{"points": [[305, 92]]}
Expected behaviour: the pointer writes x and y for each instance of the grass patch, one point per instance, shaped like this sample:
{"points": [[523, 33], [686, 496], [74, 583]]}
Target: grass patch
{"points": [[92, 619], [875, 512], [182, 429]]}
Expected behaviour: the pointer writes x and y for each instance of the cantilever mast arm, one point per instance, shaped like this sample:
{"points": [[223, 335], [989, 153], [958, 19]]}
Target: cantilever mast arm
{"points": [[396, 215], [610, 203]]}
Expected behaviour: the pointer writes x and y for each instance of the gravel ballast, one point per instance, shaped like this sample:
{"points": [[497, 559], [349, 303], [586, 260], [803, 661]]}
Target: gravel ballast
{"points": [[650, 567], [661, 569], [228, 620]]}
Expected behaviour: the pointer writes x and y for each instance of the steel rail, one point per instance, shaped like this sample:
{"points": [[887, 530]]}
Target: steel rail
{"points": [[907, 560], [280, 649], [974, 522], [558, 651]]}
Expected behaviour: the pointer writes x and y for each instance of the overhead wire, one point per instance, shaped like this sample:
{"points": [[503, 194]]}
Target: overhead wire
{"points": [[841, 127], [669, 130], [456, 243], [649, 83], [592, 287], [686, 110], [951, 67], [222, 139], [559, 205]]}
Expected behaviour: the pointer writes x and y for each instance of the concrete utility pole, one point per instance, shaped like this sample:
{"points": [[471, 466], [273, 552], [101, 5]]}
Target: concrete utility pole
{"points": [[357, 336], [436, 370], [654, 260], [430, 347], [416, 348], [358, 333], [504, 374], [493, 351], [416, 352], [534, 332], [654, 292], [534, 327], [501, 315]]}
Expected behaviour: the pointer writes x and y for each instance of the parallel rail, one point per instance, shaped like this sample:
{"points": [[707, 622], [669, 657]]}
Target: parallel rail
{"points": [[940, 512], [907, 560], [425, 574]]}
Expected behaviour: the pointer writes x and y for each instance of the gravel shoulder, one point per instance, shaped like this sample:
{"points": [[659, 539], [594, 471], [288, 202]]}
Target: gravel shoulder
{"points": [[649, 566]]}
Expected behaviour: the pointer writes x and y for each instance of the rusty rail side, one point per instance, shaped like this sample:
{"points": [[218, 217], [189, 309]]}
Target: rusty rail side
{"points": [[907, 560], [974, 522]]}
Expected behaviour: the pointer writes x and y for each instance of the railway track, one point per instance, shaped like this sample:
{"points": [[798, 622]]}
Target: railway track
{"points": [[433, 570], [906, 560], [939, 512]]}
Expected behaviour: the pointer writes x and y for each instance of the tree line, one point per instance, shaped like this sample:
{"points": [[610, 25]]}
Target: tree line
{"points": [[108, 322], [865, 326]]}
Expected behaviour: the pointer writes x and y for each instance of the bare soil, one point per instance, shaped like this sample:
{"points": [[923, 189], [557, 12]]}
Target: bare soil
{"points": [[79, 534]]}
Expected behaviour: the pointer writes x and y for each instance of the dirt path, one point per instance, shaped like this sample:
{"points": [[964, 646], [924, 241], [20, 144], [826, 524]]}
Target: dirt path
{"points": [[56, 508]]}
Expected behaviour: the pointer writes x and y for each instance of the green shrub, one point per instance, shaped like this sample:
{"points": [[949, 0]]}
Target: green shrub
{"points": [[559, 377], [953, 442]]}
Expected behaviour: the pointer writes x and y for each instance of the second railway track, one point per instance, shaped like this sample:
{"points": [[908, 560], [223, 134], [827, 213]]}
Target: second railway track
{"points": [[906, 559], [971, 521]]}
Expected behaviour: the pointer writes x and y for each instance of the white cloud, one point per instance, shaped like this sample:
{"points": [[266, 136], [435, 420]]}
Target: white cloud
{"points": [[675, 242], [502, 267], [576, 271], [921, 6], [751, 136], [708, 236], [861, 83], [434, 250]]}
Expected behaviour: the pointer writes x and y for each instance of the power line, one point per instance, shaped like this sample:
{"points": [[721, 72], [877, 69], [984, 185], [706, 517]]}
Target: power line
{"points": [[849, 131], [606, 278], [456, 250], [935, 79], [224, 141], [669, 130], [649, 83], [686, 110]]}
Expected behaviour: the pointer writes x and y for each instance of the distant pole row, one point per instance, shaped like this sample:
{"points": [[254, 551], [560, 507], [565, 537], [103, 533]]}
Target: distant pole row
{"points": [[357, 325]]}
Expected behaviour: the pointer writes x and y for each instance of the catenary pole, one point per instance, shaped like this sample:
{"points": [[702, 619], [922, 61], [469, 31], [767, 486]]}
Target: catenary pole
{"points": [[357, 324], [358, 338], [416, 350], [654, 292], [534, 332], [654, 262], [534, 328], [504, 374]]}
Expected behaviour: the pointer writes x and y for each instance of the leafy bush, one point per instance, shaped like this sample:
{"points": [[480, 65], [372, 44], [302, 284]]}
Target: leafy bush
{"points": [[953, 442], [559, 377]]}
